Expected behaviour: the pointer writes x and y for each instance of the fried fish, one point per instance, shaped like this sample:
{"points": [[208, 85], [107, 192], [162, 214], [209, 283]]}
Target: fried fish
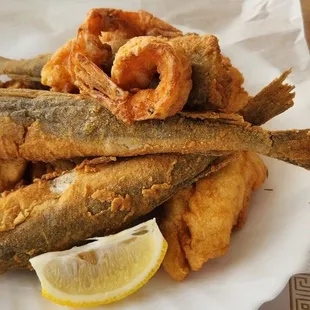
{"points": [[45, 126], [97, 198], [271, 101]]}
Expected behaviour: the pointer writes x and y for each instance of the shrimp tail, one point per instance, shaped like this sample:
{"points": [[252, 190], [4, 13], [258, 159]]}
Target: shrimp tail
{"points": [[91, 80], [131, 75]]}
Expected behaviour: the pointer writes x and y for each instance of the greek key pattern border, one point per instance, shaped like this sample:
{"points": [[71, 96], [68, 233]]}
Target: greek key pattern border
{"points": [[300, 292]]}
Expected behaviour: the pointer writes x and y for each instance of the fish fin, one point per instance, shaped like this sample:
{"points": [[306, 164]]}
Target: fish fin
{"points": [[272, 100]]}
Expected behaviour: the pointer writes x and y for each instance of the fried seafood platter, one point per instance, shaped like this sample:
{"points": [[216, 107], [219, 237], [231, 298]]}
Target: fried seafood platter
{"points": [[131, 117]]}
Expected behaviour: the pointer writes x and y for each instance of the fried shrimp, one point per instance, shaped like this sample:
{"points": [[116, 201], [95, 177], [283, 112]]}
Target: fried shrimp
{"points": [[135, 65], [144, 22], [102, 33], [125, 25], [134, 68], [58, 73]]}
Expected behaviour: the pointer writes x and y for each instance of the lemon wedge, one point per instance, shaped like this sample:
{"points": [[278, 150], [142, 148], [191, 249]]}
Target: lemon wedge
{"points": [[103, 271]]}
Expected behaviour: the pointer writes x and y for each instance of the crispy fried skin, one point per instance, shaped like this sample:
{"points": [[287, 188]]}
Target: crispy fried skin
{"points": [[11, 172], [92, 200], [198, 220], [41, 125], [217, 85]]}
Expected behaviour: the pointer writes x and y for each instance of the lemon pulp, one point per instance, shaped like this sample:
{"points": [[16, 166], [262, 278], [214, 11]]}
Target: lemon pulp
{"points": [[105, 270]]}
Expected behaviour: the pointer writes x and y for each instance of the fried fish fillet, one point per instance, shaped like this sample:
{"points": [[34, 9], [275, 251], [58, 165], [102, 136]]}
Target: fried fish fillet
{"points": [[45, 126], [11, 172], [197, 221], [94, 199]]}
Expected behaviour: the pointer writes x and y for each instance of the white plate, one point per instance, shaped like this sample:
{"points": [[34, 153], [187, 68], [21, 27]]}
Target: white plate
{"points": [[262, 38]]}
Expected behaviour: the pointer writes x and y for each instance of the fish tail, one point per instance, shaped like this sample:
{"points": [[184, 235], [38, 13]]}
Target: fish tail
{"points": [[292, 146], [272, 100]]}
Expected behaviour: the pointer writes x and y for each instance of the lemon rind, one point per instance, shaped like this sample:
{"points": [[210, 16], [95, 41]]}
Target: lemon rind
{"points": [[59, 297], [115, 298]]}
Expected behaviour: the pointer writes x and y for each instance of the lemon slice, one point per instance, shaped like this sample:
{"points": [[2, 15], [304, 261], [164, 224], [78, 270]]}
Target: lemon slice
{"points": [[103, 271]]}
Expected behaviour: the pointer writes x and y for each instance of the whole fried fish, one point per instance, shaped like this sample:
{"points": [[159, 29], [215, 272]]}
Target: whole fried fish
{"points": [[97, 198], [45, 126]]}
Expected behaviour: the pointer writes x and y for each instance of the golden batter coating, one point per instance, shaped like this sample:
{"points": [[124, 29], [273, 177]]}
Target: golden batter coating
{"points": [[197, 221]]}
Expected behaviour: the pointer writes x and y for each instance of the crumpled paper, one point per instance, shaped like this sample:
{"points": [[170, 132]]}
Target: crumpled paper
{"points": [[262, 38]]}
